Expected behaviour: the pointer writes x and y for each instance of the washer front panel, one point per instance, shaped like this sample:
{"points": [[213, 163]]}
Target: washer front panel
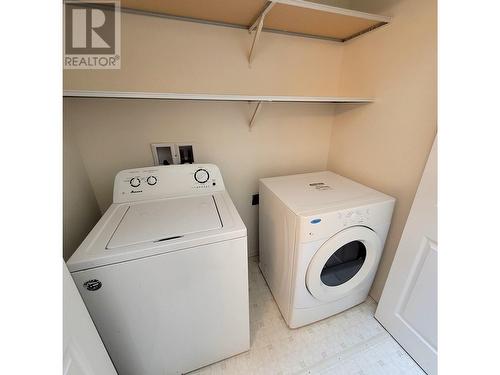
{"points": [[373, 247]]}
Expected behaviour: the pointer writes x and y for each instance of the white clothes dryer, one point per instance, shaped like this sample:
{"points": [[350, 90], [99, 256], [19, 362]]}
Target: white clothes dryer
{"points": [[321, 237], [164, 272]]}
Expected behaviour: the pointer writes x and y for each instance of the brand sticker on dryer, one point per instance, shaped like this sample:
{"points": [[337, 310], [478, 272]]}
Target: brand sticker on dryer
{"points": [[320, 186]]}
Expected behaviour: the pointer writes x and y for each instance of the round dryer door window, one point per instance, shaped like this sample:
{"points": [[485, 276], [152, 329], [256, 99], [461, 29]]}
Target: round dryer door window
{"points": [[343, 262]]}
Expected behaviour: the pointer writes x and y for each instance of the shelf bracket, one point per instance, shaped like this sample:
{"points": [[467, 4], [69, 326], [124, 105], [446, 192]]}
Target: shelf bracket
{"points": [[258, 25], [254, 116]]}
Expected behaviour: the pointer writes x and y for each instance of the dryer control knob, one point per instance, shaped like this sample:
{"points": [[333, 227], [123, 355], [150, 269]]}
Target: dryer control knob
{"points": [[135, 182], [201, 176]]}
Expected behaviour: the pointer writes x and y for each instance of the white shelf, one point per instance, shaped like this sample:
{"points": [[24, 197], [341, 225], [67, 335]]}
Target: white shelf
{"points": [[212, 97], [298, 17]]}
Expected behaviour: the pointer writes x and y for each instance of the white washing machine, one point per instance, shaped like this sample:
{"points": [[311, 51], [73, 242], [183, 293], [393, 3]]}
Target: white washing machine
{"points": [[321, 237], [164, 272]]}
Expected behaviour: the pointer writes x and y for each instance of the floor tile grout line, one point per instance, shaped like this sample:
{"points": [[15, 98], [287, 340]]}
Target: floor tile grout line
{"points": [[345, 354]]}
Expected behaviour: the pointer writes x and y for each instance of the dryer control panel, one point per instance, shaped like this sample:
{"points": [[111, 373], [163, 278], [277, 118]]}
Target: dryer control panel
{"points": [[354, 217], [166, 181], [319, 226], [324, 225]]}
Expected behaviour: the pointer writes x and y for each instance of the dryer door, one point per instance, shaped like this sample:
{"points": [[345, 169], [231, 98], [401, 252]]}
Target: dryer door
{"points": [[342, 263]]}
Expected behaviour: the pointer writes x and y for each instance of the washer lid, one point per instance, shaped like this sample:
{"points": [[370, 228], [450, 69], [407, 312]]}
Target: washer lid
{"points": [[167, 219]]}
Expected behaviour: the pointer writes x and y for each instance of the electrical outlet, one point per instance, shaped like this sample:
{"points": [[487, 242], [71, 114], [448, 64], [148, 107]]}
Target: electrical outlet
{"points": [[255, 199], [186, 155]]}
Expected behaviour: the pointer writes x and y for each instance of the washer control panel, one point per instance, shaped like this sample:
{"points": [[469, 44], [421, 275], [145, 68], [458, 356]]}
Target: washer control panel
{"points": [[166, 181]]}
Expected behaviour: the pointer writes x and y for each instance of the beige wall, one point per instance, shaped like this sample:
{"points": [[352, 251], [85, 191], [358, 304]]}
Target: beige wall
{"points": [[159, 54], [80, 210], [116, 134], [385, 145]]}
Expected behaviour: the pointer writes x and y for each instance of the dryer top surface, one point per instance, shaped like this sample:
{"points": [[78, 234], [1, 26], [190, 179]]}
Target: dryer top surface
{"points": [[305, 193]]}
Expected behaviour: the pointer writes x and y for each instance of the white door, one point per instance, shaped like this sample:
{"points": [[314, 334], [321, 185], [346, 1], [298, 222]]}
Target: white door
{"points": [[83, 350], [408, 306]]}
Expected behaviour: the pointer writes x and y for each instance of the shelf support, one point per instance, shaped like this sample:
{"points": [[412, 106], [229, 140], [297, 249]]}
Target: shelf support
{"points": [[255, 40], [254, 116], [258, 25]]}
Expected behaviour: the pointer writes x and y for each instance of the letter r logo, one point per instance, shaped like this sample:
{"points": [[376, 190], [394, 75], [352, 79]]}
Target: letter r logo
{"points": [[89, 30], [92, 34], [79, 30]]}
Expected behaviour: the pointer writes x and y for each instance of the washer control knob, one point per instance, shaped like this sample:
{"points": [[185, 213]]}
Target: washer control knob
{"points": [[135, 182], [152, 180], [201, 176]]}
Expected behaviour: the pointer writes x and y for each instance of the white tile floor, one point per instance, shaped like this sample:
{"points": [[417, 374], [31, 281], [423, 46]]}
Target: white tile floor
{"points": [[352, 342]]}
